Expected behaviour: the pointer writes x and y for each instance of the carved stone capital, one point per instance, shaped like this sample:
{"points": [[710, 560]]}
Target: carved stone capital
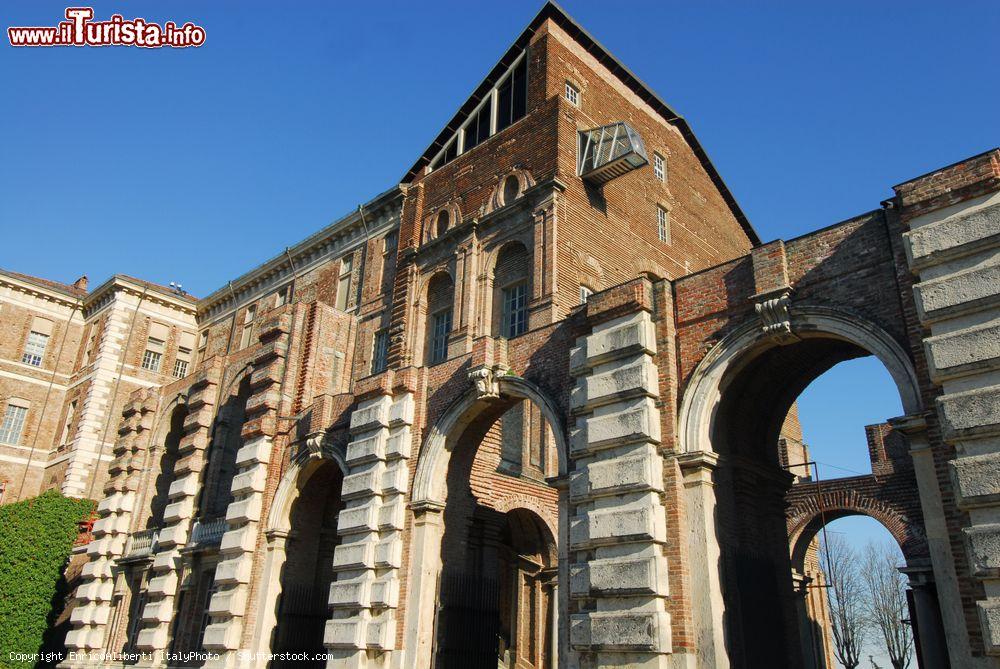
{"points": [[486, 379], [773, 310], [314, 445]]}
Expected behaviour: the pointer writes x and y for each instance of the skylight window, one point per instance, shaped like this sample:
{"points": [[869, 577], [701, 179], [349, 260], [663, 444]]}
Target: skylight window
{"points": [[610, 151], [501, 107]]}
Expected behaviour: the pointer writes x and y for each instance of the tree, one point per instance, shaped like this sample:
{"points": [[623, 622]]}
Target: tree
{"points": [[887, 607], [845, 593]]}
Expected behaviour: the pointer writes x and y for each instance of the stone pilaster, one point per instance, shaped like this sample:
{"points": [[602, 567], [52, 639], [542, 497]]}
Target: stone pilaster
{"points": [[365, 595], [161, 592], [228, 605], [618, 522], [93, 597], [955, 254]]}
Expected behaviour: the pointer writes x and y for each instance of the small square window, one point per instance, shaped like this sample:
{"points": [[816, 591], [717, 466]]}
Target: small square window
{"points": [[663, 224], [572, 94], [659, 167]]}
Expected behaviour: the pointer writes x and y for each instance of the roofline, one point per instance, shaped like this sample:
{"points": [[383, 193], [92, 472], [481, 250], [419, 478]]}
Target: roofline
{"points": [[218, 299], [140, 287], [995, 149], [552, 10], [67, 296]]}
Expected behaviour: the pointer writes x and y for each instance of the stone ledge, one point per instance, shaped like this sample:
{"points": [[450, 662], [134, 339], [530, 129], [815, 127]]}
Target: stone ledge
{"points": [[957, 235], [963, 292], [621, 631], [617, 577], [967, 351], [971, 413]]}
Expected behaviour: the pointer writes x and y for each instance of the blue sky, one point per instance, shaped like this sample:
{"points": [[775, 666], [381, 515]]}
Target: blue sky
{"points": [[194, 165]]}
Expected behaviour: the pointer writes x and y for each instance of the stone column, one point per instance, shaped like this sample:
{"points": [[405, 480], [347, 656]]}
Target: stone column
{"points": [[618, 526], [425, 560], [698, 470], [933, 647]]}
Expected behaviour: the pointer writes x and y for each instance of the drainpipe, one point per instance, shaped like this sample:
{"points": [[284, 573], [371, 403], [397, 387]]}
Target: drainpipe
{"points": [[364, 255], [232, 329]]}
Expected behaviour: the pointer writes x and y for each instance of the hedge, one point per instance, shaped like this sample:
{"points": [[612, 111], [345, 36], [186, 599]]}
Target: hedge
{"points": [[36, 537]]}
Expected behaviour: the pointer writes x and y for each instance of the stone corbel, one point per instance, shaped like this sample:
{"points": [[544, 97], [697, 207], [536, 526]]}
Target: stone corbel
{"points": [[773, 310], [315, 443], [486, 379]]}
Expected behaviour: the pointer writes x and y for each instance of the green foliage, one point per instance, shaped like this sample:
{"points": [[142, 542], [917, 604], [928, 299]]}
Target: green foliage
{"points": [[36, 537]]}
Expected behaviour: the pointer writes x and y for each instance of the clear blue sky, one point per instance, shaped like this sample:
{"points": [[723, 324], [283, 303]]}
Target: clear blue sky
{"points": [[193, 165]]}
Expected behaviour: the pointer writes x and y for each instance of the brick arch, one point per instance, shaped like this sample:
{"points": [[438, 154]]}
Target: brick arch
{"points": [[429, 231], [810, 510], [497, 199]]}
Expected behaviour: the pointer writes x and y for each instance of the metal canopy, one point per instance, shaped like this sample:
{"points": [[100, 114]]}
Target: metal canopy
{"points": [[610, 151]]}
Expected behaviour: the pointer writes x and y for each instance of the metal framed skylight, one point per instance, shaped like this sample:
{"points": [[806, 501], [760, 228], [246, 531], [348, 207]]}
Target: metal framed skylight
{"points": [[610, 151]]}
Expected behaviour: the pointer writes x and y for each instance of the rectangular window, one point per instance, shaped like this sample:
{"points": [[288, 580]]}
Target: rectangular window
{"points": [[151, 359], [663, 224], [344, 284], [282, 295], [572, 94], [380, 352], [585, 294], [13, 423], [34, 348], [180, 368], [659, 169], [248, 317], [439, 336], [209, 576], [515, 310]]}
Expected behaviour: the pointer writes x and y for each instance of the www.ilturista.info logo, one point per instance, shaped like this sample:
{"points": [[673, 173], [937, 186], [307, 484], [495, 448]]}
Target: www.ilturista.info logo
{"points": [[81, 30]]}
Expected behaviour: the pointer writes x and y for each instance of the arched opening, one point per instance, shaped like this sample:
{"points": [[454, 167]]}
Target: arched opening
{"points": [[498, 575], [165, 467], [854, 594], [306, 572], [438, 317], [227, 440], [511, 291], [741, 405]]}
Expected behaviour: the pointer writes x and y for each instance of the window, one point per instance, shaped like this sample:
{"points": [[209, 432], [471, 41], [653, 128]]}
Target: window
{"points": [[515, 310], [38, 339], [573, 94], [248, 317], [68, 425], [13, 423], [282, 295], [659, 167], [181, 367], [442, 223], [183, 360], [663, 224], [380, 351], [439, 337], [500, 108], [34, 348], [151, 358], [202, 345], [585, 294], [511, 189], [344, 284]]}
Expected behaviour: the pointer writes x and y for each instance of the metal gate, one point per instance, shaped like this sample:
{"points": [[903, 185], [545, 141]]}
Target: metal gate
{"points": [[468, 622], [301, 622]]}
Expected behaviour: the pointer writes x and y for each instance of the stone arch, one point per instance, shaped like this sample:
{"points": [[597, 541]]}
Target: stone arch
{"points": [[429, 497], [435, 454], [163, 456], [277, 529], [704, 388], [501, 193], [731, 413], [220, 457]]}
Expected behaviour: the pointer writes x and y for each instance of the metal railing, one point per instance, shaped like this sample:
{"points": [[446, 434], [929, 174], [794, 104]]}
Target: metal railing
{"points": [[142, 543], [207, 532]]}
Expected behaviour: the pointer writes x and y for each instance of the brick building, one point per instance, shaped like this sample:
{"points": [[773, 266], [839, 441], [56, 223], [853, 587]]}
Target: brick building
{"points": [[532, 407]]}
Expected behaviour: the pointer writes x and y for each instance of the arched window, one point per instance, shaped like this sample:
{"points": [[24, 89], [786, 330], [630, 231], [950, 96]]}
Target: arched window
{"points": [[441, 226], [512, 288], [511, 189], [439, 301]]}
